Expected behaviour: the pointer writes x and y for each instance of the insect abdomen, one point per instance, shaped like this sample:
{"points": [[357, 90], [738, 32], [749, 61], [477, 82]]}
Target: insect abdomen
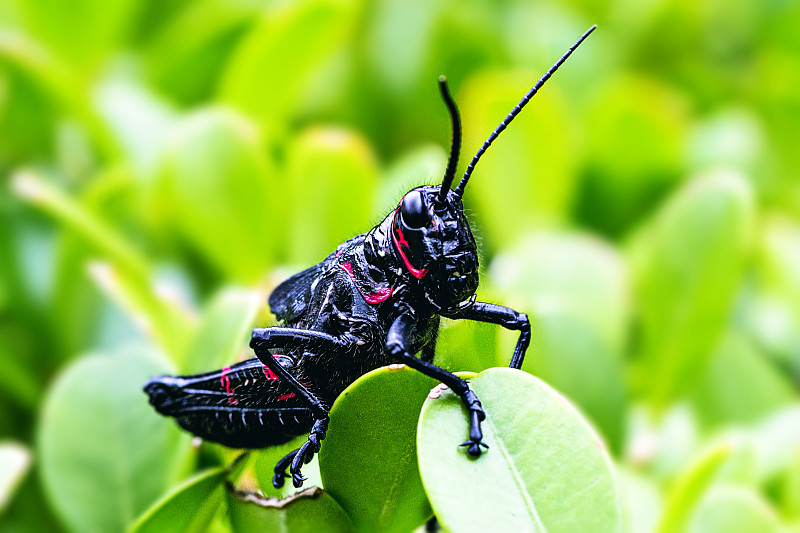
{"points": [[241, 406]]}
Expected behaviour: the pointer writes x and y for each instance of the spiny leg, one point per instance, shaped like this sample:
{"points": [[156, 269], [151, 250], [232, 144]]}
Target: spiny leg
{"points": [[280, 468], [266, 338], [396, 342], [505, 317]]}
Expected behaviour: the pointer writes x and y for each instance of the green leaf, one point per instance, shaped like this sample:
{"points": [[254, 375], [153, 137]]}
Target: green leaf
{"points": [[186, 509], [573, 271], [36, 92], [127, 277], [311, 510], [575, 289], [775, 313], [689, 487], [269, 83], [14, 462], [332, 175], [105, 454], [688, 266], [464, 345], [103, 24], [223, 331], [545, 470], [187, 56], [738, 370], [19, 377], [570, 355], [139, 121], [734, 510], [662, 443], [636, 128], [641, 501], [220, 189], [775, 442], [368, 460]]}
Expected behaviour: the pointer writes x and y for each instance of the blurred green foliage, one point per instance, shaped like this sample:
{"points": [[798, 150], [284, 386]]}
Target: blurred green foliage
{"points": [[164, 164]]}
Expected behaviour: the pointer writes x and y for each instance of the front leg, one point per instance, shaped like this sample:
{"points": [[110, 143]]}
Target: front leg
{"points": [[396, 343], [503, 316], [266, 338]]}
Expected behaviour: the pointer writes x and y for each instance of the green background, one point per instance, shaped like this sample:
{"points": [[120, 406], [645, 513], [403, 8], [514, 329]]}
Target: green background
{"points": [[165, 163]]}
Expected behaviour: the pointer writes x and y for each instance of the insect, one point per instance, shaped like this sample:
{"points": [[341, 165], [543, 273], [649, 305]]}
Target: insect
{"points": [[377, 299]]}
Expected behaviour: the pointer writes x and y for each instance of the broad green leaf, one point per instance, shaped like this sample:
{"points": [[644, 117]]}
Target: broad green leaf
{"points": [[14, 462], [27, 110], [776, 310], [528, 175], [401, 37], [186, 509], [105, 454], [186, 57], [790, 488], [139, 122], [267, 82], [688, 489], [545, 470], [731, 138], [733, 509], [331, 179], [662, 443], [738, 370], [220, 188], [128, 277], [641, 501], [575, 290], [464, 345], [570, 355], [573, 271], [368, 460], [18, 379], [223, 331], [102, 26], [688, 266], [36, 92], [635, 129], [775, 442], [312, 511]]}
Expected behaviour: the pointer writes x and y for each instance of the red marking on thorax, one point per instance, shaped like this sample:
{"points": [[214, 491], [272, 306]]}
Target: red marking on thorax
{"points": [[372, 299], [286, 396]]}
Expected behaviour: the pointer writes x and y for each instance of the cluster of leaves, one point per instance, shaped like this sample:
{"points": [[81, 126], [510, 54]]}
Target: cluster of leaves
{"points": [[164, 164]]}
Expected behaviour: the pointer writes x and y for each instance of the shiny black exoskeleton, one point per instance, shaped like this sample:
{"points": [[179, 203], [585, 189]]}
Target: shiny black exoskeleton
{"points": [[377, 299]]}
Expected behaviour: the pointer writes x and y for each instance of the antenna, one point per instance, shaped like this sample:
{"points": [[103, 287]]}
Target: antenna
{"points": [[514, 112], [455, 145]]}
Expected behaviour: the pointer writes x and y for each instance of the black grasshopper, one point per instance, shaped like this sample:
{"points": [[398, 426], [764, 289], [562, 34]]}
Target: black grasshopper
{"points": [[377, 299]]}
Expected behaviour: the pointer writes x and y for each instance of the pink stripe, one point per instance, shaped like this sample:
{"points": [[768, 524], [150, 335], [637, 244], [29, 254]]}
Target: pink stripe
{"points": [[372, 299], [417, 273]]}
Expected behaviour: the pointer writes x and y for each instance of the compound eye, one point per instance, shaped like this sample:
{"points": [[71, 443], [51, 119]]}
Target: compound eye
{"points": [[413, 210]]}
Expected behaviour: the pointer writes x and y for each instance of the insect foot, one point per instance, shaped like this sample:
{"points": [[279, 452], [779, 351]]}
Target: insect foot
{"points": [[294, 460], [477, 415]]}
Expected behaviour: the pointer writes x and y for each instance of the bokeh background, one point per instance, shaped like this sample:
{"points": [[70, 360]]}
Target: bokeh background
{"points": [[163, 164]]}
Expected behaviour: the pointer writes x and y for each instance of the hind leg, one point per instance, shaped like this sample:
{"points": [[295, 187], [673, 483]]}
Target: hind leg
{"points": [[266, 338]]}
